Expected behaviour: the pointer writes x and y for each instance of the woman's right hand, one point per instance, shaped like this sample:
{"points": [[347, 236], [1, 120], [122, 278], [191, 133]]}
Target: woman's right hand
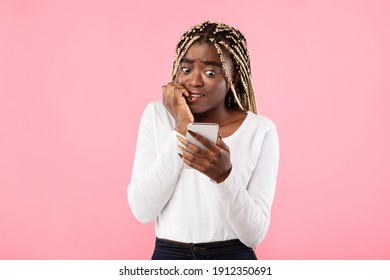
{"points": [[174, 100]]}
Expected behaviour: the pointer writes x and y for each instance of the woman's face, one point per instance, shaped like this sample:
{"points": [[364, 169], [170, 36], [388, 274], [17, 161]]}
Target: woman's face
{"points": [[201, 73]]}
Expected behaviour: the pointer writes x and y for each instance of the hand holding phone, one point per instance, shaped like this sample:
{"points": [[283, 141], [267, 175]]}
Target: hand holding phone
{"points": [[213, 160], [207, 130]]}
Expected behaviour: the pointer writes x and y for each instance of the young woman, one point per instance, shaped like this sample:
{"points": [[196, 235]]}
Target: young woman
{"points": [[220, 207]]}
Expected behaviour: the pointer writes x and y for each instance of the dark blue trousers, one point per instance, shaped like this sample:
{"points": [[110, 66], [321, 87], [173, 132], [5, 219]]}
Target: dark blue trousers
{"points": [[222, 250]]}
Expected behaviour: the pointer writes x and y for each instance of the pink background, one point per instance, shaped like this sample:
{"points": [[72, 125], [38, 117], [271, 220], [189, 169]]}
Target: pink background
{"points": [[75, 77]]}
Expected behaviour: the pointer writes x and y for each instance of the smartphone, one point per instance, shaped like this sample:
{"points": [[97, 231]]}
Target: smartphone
{"points": [[208, 130]]}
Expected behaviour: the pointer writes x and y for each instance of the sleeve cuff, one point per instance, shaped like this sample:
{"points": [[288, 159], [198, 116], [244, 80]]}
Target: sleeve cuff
{"points": [[226, 182], [177, 133]]}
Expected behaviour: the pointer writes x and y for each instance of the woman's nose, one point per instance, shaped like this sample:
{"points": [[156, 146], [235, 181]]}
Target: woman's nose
{"points": [[195, 79]]}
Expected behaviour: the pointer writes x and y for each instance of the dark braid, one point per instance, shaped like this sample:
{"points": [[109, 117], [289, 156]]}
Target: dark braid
{"points": [[241, 95]]}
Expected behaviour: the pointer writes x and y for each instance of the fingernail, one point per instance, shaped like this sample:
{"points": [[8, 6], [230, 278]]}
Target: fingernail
{"points": [[192, 133], [181, 148], [181, 139], [180, 155]]}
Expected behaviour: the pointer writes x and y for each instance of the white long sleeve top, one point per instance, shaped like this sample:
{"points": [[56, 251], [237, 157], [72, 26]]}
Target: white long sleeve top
{"points": [[186, 204]]}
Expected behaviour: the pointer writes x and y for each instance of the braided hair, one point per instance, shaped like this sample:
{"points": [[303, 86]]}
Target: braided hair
{"points": [[241, 95]]}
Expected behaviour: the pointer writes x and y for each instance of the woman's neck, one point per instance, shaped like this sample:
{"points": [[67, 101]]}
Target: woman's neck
{"points": [[213, 116]]}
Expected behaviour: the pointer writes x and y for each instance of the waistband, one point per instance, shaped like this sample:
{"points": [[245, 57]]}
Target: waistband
{"points": [[203, 244]]}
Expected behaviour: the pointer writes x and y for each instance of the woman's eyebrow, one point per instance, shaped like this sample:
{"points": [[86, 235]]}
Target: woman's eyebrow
{"points": [[186, 60], [207, 62]]}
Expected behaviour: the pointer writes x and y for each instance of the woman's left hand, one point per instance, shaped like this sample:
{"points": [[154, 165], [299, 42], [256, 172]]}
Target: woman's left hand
{"points": [[213, 162]]}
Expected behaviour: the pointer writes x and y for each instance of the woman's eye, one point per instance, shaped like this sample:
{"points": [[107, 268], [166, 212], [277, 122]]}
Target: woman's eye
{"points": [[211, 74], [185, 70]]}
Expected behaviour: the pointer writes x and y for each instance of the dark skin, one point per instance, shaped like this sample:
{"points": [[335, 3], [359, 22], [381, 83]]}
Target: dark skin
{"points": [[198, 95]]}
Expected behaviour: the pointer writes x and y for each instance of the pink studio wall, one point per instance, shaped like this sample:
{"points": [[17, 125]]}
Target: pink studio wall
{"points": [[75, 77]]}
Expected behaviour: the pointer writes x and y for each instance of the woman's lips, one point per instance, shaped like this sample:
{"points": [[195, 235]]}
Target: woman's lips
{"points": [[195, 97]]}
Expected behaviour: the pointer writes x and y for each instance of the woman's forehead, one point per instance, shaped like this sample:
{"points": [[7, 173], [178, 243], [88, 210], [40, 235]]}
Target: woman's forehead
{"points": [[204, 52], [207, 51]]}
